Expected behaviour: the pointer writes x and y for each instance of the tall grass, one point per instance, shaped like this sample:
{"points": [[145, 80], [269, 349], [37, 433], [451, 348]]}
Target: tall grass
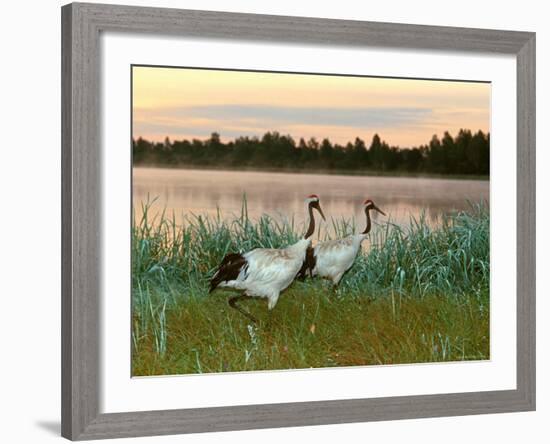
{"points": [[406, 278]]}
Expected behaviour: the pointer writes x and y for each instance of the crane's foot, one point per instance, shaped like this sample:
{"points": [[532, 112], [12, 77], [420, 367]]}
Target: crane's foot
{"points": [[233, 304]]}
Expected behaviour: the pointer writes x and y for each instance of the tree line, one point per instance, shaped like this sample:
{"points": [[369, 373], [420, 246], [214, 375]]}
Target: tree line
{"points": [[465, 154]]}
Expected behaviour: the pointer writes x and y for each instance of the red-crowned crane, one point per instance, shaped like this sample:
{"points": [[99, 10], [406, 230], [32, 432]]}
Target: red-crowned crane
{"points": [[331, 259], [265, 272]]}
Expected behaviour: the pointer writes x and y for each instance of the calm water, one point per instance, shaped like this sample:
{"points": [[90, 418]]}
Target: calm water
{"points": [[281, 195]]}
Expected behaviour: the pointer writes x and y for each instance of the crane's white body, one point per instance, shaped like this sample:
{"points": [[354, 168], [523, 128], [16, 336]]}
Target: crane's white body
{"points": [[333, 258], [269, 271]]}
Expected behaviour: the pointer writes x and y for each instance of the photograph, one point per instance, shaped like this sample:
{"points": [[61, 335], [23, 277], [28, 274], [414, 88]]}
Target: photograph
{"points": [[289, 220]]}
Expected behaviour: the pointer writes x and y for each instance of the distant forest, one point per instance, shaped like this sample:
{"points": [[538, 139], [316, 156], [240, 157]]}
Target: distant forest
{"points": [[465, 154]]}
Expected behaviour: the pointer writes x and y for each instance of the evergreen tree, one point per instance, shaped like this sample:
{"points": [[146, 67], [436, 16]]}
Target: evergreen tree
{"points": [[467, 153]]}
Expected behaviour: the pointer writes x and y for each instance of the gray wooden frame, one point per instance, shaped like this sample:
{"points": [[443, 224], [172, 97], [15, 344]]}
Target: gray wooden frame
{"points": [[81, 232]]}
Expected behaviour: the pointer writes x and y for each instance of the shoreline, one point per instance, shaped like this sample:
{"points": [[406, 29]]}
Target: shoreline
{"points": [[365, 173]]}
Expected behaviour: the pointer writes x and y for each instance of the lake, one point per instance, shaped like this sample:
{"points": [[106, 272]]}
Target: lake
{"points": [[281, 195]]}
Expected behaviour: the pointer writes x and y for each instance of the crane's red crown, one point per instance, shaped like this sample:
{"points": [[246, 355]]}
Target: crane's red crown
{"points": [[313, 196], [367, 202]]}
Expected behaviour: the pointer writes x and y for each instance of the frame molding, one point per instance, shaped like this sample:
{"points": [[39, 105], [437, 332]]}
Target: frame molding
{"points": [[82, 24]]}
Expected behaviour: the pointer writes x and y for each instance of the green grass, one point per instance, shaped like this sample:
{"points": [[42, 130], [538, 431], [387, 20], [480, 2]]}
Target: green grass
{"points": [[416, 294]]}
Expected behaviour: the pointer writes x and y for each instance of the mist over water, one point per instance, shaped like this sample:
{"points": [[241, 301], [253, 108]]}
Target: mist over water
{"points": [[281, 195]]}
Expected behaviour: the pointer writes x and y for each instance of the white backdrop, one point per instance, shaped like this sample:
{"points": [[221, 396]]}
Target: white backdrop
{"points": [[121, 393], [30, 254]]}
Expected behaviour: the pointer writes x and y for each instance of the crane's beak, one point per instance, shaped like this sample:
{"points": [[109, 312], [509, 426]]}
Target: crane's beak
{"points": [[379, 210], [318, 208]]}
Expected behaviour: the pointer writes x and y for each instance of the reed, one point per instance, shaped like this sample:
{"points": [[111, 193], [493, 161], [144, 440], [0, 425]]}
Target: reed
{"points": [[415, 294]]}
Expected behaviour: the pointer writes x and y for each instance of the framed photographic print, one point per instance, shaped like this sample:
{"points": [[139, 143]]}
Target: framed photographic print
{"points": [[280, 221]]}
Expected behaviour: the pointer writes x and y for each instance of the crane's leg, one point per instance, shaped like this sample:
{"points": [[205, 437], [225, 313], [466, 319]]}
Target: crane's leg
{"points": [[233, 303], [272, 301], [336, 281]]}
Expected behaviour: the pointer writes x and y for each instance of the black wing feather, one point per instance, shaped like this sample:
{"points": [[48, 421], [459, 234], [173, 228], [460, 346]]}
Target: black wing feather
{"points": [[308, 265], [229, 269]]}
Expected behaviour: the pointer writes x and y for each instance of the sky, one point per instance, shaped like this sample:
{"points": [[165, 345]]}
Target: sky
{"points": [[183, 103]]}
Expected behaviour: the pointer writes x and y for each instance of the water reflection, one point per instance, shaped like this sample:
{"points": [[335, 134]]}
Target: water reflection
{"points": [[281, 195]]}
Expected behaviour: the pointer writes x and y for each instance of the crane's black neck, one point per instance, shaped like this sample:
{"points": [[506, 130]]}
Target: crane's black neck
{"points": [[368, 227], [311, 227]]}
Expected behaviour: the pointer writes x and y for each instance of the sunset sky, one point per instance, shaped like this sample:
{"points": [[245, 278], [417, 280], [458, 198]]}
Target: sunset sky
{"points": [[192, 103]]}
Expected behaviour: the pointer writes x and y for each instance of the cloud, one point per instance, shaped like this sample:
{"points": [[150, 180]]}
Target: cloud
{"points": [[264, 116], [234, 120]]}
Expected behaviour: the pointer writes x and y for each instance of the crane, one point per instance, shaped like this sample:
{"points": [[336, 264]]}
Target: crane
{"points": [[265, 272], [331, 259]]}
